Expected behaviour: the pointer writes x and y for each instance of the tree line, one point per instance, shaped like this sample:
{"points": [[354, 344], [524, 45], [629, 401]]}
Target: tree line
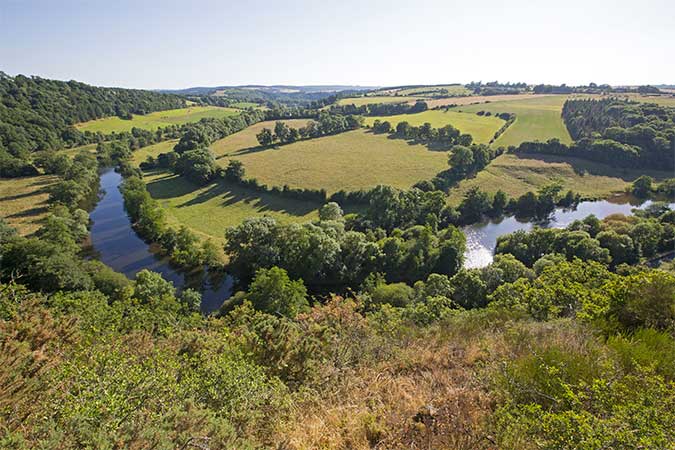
{"points": [[325, 124]]}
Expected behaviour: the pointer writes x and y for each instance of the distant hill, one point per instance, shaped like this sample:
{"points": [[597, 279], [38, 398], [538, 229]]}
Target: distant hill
{"points": [[275, 93]]}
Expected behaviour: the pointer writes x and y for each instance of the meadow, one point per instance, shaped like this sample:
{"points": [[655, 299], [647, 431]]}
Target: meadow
{"points": [[353, 160], [23, 201], [246, 138], [209, 209], [370, 100], [472, 99], [156, 119], [482, 128], [518, 174], [432, 91], [537, 118]]}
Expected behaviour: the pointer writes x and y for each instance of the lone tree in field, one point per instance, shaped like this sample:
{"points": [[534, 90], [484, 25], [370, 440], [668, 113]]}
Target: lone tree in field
{"points": [[265, 137], [235, 170]]}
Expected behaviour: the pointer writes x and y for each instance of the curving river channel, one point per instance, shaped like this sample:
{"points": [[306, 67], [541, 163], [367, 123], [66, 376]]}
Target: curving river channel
{"points": [[116, 243], [481, 238]]}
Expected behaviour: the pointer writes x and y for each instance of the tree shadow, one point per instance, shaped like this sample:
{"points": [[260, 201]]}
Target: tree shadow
{"points": [[172, 186], [249, 150], [28, 212], [585, 167], [431, 146]]}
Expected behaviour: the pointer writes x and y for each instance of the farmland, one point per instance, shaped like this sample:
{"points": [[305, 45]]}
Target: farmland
{"points": [[156, 120], [482, 128], [537, 118], [209, 209], [518, 174], [433, 91], [370, 100], [23, 201], [246, 138], [472, 99], [353, 160]]}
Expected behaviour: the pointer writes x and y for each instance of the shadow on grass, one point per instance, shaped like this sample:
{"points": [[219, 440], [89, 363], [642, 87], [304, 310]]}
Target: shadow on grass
{"points": [[584, 167], [28, 212], [171, 186], [431, 146], [249, 150]]}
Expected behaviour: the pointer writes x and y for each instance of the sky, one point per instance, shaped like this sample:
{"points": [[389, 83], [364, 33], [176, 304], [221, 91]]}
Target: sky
{"points": [[171, 44]]}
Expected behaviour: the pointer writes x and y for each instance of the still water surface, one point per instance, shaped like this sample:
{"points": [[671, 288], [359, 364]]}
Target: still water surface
{"points": [[116, 244], [481, 238]]}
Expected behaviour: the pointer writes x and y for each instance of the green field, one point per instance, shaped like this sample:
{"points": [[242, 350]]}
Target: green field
{"points": [[360, 101], [480, 127], [23, 201], [157, 119], [353, 160], [142, 154], [246, 139], [432, 91], [537, 118], [208, 210], [245, 105], [517, 175]]}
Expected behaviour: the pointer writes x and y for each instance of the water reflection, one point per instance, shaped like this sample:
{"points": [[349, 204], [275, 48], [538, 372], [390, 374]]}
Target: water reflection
{"points": [[117, 245], [481, 238]]}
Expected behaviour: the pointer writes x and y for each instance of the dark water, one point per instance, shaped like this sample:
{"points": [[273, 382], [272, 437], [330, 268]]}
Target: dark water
{"points": [[118, 246], [481, 239]]}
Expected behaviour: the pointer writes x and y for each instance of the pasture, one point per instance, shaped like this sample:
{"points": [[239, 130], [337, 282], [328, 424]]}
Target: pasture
{"points": [[370, 100], [472, 99], [482, 128], [353, 160], [156, 119], [208, 210], [518, 174], [537, 118], [23, 201], [435, 91], [246, 139]]}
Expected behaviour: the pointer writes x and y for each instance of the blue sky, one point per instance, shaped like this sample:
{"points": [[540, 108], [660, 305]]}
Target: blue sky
{"points": [[170, 44]]}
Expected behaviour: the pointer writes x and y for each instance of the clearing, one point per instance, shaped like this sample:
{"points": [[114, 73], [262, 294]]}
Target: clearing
{"points": [[352, 160], [537, 118], [156, 119], [23, 201], [482, 128], [518, 174]]}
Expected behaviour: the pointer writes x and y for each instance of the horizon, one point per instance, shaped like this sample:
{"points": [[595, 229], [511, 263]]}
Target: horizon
{"points": [[163, 46]]}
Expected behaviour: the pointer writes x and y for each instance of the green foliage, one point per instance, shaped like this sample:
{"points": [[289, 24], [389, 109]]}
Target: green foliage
{"points": [[272, 291]]}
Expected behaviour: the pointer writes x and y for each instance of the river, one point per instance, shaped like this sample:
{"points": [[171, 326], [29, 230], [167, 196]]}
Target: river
{"points": [[117, 245], [481, 238]]}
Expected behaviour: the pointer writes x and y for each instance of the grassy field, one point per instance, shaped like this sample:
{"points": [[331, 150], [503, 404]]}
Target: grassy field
{"points": [[537, 118], [517, 175], [245, 105], [452, 89], [23, 201], [480, 127], [142, 154], [472, 99], [208, 210], [353, 160], [157, 119], [360, 101], [246, 139]]}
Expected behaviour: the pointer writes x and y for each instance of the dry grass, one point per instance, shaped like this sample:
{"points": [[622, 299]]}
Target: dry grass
{"points": [[473, 99], [517, 175], [23, 201]]}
